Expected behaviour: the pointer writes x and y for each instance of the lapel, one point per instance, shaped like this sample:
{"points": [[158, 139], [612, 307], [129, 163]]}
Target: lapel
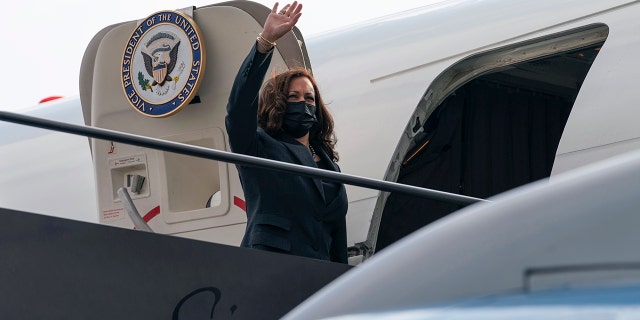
{"points": [[303, 155], [326, 159], [337, 201]]}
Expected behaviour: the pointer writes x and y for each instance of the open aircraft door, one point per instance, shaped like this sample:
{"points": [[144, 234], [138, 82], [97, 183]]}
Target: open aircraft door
{"points": [[138, 77]]}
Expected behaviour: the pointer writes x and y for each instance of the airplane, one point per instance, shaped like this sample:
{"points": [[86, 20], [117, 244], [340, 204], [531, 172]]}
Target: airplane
{"points": [[559, 249], [469, 97]]}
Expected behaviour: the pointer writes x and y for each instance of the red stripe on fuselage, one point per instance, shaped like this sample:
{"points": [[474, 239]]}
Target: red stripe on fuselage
{"points": [[151, 214], [240, 203], [156, 211]]}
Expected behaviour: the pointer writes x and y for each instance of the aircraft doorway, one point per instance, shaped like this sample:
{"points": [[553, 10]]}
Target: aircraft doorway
{"points": [[492, 133]]}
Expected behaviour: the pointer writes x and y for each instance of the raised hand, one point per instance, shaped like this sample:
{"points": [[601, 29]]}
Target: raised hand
{"points": [[278, 23]]}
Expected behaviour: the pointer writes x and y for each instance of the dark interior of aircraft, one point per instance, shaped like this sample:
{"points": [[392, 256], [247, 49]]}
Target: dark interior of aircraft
{"points": [[497, 132]]}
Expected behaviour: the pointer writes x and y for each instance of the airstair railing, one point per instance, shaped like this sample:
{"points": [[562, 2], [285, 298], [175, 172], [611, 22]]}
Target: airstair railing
{"points": [[239, 159], [132, 211]]}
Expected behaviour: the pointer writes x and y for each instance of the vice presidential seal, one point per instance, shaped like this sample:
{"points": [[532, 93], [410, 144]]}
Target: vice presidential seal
{"points": [[163, 64]]}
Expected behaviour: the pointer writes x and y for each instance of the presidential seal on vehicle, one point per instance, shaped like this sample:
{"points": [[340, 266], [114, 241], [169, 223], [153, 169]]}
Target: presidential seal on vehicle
{"points": [[163, 64]]}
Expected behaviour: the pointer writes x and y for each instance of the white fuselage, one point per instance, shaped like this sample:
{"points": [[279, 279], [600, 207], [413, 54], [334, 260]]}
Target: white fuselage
{"points": [[376, 77]]}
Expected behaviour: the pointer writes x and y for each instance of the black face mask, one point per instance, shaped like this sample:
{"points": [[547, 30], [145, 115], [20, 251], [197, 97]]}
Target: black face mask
{"points": [[299, 118]]}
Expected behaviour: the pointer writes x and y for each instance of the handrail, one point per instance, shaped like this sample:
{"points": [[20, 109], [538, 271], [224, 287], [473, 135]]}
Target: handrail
{"points": [[239, 159], [132, 211]]}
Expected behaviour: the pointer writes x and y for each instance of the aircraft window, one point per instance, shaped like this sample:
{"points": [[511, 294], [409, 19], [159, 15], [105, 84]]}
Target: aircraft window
{"points": [[196, 188], [183, 172], [493, 123]]}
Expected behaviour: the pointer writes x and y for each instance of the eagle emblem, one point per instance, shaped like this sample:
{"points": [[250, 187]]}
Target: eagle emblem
{"points": [[161, 56], [163, 63]]}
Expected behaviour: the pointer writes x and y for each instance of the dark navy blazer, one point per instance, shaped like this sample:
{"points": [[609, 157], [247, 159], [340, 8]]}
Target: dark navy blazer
{"points": [[286, 213]]}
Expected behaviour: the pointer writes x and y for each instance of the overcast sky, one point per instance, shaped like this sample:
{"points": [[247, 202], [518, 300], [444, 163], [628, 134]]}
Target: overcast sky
{"points": [[43, 41]]}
